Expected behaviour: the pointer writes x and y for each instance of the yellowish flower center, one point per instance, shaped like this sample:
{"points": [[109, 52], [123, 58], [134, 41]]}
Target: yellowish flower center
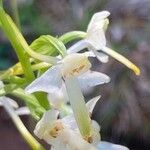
{"points": [[57, 128], [74, 65]]}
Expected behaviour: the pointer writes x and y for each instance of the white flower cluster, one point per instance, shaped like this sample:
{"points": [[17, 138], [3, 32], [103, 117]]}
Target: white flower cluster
{"points": [[63, 82]]}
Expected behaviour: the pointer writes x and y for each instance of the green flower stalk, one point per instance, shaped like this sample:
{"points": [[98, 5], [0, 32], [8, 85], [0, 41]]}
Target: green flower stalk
{"points": [[18, 42], [35, 145], [22, 50]]}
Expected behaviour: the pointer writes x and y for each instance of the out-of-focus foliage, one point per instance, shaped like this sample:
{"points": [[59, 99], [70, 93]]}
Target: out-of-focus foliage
{"points": [[124, 111]]}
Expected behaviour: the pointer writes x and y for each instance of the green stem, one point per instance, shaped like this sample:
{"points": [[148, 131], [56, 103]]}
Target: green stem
{"points": [[33, 143], [18, 43], [15, 80], [73, 35], [21, 47], [27, 98]]}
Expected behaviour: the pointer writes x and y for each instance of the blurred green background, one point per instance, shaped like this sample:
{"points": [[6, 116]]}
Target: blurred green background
{"points": [[124, 109]]}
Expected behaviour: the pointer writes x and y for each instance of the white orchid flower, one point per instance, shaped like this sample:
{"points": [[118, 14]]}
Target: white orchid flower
{"points": [[71, 70], [64, 133], [73, 65], [95, 41], [60, 101]]}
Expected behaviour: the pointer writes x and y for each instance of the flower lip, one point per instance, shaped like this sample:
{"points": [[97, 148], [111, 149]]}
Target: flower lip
{"points": [[74, 65]]}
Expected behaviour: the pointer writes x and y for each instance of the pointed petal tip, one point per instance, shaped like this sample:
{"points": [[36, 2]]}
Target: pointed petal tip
{"points": [[103, 14]]}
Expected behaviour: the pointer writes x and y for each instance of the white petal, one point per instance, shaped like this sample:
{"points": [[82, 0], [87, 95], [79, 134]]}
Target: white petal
{"points": [[89, 54], [92, 78], [91, 103], [74, 65], [98, 17], [65, 110], [46, 123], [23, 111], [10, 101], [70, 122], [100, 56], [110, 146], [96, 132], [96, 38], [75, 141], [59, 97], [96, 30], [78, 47], [49, 82]]}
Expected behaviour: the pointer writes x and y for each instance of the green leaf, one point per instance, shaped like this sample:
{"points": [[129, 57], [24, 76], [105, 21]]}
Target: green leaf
{"points": [[73, 35], [49, 45]]}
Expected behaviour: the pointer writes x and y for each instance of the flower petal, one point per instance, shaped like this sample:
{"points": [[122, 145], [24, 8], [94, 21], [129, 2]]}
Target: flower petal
{"points": [[91, 103], [45, 123], [78, 47], [110, 146], [95, 133], [10, 101], [23, 111], [75, 141], [96, 38], [70, 122], [92, 78], [49, 82], [97, 17], [100, 56], [59, 97]]}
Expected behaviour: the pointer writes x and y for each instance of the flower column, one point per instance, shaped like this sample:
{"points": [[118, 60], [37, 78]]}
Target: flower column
{"points": [[78, 105]]}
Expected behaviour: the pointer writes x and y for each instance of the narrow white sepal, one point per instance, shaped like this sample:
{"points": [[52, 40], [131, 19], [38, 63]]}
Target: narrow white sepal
{"points": [[91, 103], [9, 100], [96, 38], [22, 111], [45, 124], [101, 56], [92, 78], [70, 122], [78, 47], [59, 97], [49, 82]]}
